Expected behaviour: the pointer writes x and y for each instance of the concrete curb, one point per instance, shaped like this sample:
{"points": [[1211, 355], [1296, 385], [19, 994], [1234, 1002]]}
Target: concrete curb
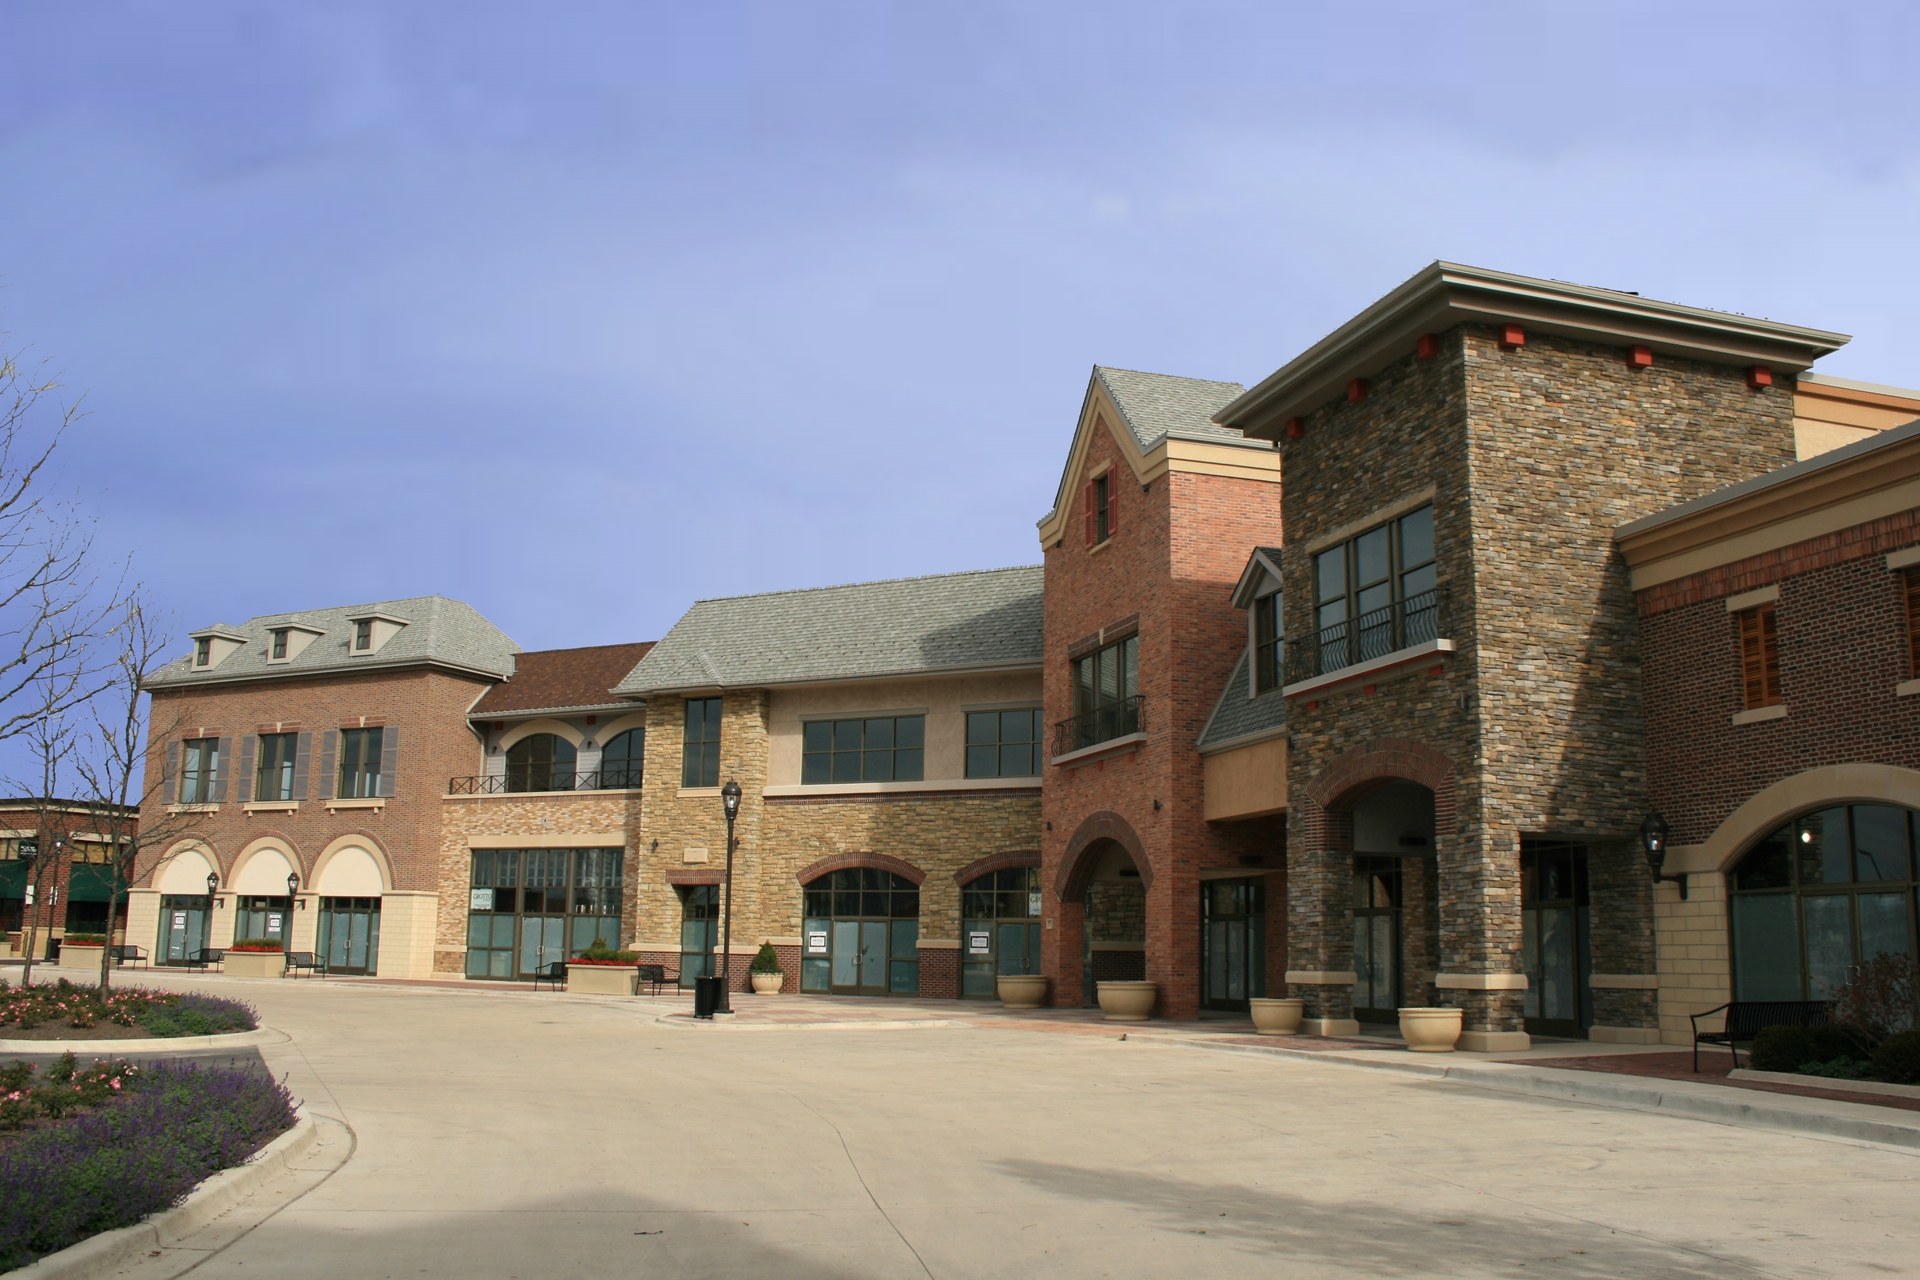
{"points": [[1819, 1117], [1828, 1082], [149, 1044], [98, 1255], [686, 1021]]}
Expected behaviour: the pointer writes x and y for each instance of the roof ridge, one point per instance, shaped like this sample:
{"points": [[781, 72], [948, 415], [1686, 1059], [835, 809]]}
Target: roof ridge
{"points": [[1150, 373], [870, 582]]}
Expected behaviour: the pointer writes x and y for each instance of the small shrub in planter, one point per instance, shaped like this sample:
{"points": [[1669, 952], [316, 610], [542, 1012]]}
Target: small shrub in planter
{"points": [[1794, 1048], [85, 940], [766, 960], [257, 944], [601, 953], [1897, 1060]]}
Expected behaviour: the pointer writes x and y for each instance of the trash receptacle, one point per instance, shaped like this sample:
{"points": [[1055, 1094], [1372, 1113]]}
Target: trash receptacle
{"points": [[706, 996]]}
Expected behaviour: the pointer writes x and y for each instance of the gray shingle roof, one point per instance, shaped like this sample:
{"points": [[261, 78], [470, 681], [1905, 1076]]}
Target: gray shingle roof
{"points": [[1158, 405], [441, 631], [1237, 715], [957, 621]]}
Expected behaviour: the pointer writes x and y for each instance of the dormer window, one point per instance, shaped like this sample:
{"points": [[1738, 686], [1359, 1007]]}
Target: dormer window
{"points": [[363, 635], [1266, 643], [371, 631], [203, 651], [279, 650], [214, 646], [284, 644]]}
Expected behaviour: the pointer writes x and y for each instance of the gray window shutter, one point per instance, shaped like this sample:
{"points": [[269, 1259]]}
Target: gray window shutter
{"points": [[222, 766], [170, 771], [329, 752], [243, 785], [302, 765], [389, 756]]}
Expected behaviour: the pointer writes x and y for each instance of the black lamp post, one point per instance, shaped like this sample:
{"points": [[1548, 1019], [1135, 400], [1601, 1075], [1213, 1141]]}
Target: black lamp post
{"points": [[293, 885], [730, 801], [1653, 841]]}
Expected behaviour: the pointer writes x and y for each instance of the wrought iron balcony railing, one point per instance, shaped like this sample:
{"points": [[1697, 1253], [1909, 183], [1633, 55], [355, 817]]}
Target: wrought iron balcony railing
{"points": [[516, 781], [1101, 724], [1374, 634]]}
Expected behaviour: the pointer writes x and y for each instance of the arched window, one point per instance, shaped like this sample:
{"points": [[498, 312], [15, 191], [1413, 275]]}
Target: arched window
{"points": [[1819, 895], [620, 760], [540, 762], [862, 934]]}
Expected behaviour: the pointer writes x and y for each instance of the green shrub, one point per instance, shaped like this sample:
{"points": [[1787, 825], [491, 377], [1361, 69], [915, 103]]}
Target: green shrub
{"points": [[767, 960], [1897, 1060], [1794, 1048], [1839, 1069], [85, 940], [257, 944], [601, 951]]}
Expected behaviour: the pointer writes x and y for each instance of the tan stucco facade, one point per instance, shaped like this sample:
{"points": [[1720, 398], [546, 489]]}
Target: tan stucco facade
{"points": [[1247, 782]]}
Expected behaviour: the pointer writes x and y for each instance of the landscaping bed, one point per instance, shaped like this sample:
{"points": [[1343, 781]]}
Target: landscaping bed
{"points": [[63, 1011], [89, 1149]]}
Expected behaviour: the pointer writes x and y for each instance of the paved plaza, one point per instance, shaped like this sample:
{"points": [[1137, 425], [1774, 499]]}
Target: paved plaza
{"points": [[512, 1134]]}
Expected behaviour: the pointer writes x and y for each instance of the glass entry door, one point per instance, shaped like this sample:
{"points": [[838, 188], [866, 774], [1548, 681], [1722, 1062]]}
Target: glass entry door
{"points": [[861, 934], [349, 935], [999, 929], [699, 930], [183, 926], [1554, 946], [1233, 960], [543, 940], [1376, 938]]}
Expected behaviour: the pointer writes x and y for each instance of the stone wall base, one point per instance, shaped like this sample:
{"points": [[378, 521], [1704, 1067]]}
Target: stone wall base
{"points": [[1329, 1027], [1624, 1035], [1494, 1041]]}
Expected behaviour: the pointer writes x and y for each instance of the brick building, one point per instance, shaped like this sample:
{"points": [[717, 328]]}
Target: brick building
{"points": [[75, 889]]}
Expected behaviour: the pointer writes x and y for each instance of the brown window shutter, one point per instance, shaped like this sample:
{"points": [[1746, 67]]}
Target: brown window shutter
{"points": [[1912, 577], [1092, 515], [1113, 506], [1759, 657], [1770, 656]]}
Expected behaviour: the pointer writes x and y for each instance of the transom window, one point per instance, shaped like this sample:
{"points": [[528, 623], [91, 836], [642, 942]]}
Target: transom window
{"points": [[359, 763], [884, 749], [1820, 894], [199, 770], [1266, 643], [700, 748], [541, 762], [1003, 744], [273, 772], [1376, 593], [621, 759], [1105, 695]]}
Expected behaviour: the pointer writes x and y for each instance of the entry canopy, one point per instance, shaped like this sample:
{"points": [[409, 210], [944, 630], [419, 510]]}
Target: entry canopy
{"points": [[266, 874], [185, 872], [350, 873], [92, 882]]}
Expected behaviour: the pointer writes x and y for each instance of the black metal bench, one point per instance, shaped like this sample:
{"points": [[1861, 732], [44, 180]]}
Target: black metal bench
{"points": [[555, 975], [299, 962], [655, 976], [126, 954], [1746, 1019], [207, 957]]}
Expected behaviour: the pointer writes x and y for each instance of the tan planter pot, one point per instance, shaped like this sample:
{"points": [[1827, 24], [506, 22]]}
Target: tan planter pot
{"points": [[603, 979], [80, 955], [256, 964], [1276, 1017], [1127, 1001], [1430, 1030], [767, 984], [1021, 990]]}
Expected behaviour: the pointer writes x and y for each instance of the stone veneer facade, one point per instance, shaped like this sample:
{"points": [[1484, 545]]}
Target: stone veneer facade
{"points": [[1535, 725]]}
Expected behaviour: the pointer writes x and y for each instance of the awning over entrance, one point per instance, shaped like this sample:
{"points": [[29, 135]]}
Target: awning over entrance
{"points": [[93, 883], [13, 879]]}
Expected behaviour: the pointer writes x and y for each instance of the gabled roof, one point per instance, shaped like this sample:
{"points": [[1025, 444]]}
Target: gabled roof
{"points": [[985, 620], [1239, 717], [1157, 406], [1264, 563], [439, 632], [556, 681]]}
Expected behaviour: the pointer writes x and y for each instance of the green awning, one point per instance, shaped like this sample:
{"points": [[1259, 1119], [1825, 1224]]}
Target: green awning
{"points": [[92, 882], [13, 878]]}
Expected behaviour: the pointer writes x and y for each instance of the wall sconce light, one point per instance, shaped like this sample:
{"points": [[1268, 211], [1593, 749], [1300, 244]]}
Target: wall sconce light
{"points": [[1653, 840]]}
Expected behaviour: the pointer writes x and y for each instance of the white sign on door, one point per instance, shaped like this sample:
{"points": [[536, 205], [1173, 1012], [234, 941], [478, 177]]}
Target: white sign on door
{"points": [[480, 900], [1033, 902], [978, 944], [816, 944], [273, 922]]}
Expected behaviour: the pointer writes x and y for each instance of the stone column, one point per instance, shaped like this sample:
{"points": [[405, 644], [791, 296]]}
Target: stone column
{"points": [[1320, 917], [1480, 967]]}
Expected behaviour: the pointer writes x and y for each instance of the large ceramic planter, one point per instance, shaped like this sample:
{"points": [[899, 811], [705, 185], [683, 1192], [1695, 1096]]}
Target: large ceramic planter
{"points": [[1273, 1016], [1021, 990], [1127, 1001], [1430, 1030], [603, 979], [767, 984], [255, 964]]}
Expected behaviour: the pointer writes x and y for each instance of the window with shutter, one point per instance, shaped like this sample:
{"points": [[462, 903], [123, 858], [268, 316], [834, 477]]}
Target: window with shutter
{"points": [[1086, 506], [223, 751], [1759, 657], [244, 783], [302, 766], [1912, 583], [1110, 502], [329, 752], [389, 758], [169, 772]]}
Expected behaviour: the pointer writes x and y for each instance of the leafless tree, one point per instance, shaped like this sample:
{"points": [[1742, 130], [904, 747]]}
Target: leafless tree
{"points": [[50, 735], [112, 760]]}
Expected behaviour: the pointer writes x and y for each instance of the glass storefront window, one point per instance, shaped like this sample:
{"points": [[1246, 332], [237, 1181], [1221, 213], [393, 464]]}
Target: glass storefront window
{"points": [[999, 929], [528, 908], [861, 934]]}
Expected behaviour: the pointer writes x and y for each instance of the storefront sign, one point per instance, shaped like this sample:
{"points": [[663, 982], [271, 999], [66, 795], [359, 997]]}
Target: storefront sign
{"points": [[480, 900], [816, 944], [1033, 902], [273, 922], [978, 944]]}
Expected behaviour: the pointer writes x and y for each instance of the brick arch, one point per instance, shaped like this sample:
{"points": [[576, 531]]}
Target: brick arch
{"points": [[1097, 829], [841, 861], [1355, 772], [996, 862]]}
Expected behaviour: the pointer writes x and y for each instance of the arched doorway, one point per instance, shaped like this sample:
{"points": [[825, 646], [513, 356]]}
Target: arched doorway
{"points": [[185, 905], [1395, 914], [263, 904], [862, 933], [1819, 894], [1115, 931], [1000, 915], [348, 932]]}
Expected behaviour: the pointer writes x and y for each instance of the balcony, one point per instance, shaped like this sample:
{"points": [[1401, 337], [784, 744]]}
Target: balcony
{"points": [[1373, 641], [533, 781], [1101, 724]]}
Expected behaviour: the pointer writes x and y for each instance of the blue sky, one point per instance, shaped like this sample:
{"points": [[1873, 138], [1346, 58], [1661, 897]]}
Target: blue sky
{"points": [[580, 312]]}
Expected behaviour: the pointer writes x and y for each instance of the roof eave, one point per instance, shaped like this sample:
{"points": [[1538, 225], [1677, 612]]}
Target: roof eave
{"points": [[991, 668], [1447, 294], [197, 682]]}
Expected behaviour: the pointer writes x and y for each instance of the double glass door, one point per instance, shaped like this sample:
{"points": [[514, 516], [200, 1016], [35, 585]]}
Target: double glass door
{"points": [[349, 934], [183, 926], [1554, 946], [861, 934], [699, 930], [529, 908], [999, 929], [264, 918], [1377, 899], [1233, 959]]}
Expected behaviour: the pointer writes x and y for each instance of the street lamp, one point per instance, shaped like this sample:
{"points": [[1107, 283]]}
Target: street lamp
{"points": [[730, 801], [1653, 841], [213, 887]]}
